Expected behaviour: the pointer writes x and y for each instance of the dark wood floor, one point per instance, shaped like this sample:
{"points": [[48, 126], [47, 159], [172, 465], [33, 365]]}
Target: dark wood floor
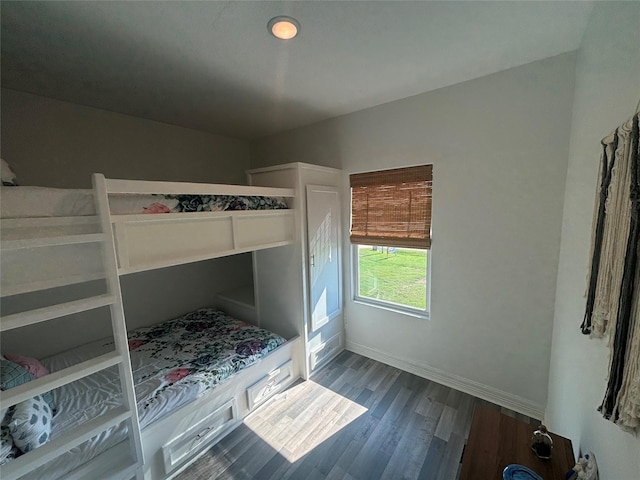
{"points": [[356, 419]]}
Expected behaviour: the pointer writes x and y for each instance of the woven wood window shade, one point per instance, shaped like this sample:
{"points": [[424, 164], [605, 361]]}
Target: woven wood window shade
{"points": [[392, 207]]}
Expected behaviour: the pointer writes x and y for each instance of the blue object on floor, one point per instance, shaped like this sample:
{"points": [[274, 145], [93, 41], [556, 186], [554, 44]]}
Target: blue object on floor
{"points": [[519, 472]]}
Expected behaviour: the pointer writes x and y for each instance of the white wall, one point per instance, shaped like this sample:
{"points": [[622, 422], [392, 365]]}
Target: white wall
{"points": [[606, 93], [60, 144], [499, 146]]}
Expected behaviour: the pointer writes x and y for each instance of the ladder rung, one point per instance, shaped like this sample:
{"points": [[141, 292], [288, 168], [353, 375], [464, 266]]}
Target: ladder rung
{"points": [[39, 222], [25, 228], [115, 463], [16, 289], [52, 241], [57, 379], [30, 317], [122, 472], [56, 447]]}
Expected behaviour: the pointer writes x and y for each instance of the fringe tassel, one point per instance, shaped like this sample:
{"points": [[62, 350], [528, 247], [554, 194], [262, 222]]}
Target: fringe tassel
{"points": [[615, 289], [606, 170], [614, 245], [628, 402]]}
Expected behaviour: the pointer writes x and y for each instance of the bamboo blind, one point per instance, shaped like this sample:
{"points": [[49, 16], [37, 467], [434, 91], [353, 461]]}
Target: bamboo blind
{"points": [[392, 207]]}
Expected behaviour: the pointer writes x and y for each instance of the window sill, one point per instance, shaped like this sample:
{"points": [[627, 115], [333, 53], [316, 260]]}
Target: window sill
{"points": [[386, 306]]}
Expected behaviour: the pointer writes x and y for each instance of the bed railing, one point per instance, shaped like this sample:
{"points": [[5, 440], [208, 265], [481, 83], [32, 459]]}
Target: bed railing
{"points": [[150, 241], [117, 186]]}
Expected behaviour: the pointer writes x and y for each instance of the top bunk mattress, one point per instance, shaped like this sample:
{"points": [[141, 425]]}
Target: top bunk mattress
{"points": [[30, 202], [173, 363]]}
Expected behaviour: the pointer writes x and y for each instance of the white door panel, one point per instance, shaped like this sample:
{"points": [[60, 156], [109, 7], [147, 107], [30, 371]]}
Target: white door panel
{"points": [[323, 234]]}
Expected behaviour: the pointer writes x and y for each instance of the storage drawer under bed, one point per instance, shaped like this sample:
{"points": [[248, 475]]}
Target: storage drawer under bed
{"points": [[269, 384], [199, 436]]}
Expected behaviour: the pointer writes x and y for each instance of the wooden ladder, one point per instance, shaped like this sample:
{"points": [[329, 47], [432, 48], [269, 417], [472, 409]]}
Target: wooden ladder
{"points": [[18, 249]]}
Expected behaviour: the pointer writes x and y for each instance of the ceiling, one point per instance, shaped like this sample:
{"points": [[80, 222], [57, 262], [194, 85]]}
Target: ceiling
{"points": [[213, 66]]}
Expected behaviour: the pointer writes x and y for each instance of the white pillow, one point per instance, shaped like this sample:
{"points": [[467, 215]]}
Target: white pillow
{"points": [[30, 426], [8, 177]]}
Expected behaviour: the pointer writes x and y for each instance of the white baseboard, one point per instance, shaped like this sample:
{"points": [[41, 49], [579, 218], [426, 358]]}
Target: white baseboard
{"points": [[485, 392]]}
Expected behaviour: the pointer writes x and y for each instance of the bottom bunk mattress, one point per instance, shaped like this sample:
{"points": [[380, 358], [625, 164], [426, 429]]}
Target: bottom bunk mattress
{"points": [[173, 364]]}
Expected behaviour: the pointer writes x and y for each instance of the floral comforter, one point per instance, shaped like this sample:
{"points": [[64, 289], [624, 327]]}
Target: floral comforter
{"points": [[22, 202], [195, 352], [198, 203], [218, 203]]}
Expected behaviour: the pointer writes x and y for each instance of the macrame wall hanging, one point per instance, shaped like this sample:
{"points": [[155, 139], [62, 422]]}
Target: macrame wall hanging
{"points": [[613, 291]]}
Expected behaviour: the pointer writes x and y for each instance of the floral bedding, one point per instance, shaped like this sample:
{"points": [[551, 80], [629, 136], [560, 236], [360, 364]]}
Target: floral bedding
{"points": [[218, 203], [198, 350], [172, 362], [23, 202]]}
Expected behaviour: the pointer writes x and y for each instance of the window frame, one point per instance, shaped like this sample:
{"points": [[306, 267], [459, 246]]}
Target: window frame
{"points": [[374, 196], [383, 304]]}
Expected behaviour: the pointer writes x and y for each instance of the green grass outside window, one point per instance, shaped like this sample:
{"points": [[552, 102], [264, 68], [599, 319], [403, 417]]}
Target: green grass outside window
{"points": [[393, 275]]}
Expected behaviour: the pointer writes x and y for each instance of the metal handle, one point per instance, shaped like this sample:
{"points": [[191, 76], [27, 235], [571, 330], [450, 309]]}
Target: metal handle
{"points": [[203, 432], [313, 260]]}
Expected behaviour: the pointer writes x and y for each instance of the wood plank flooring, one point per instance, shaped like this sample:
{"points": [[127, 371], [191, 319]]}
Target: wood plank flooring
{"points": [[356, 419]]}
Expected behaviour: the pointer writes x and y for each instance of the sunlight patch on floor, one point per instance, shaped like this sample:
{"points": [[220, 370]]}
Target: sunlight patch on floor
{"points": [[298, 420]]}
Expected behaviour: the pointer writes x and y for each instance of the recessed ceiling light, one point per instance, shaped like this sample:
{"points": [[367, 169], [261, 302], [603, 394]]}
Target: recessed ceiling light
{"points": [[284, 28]]}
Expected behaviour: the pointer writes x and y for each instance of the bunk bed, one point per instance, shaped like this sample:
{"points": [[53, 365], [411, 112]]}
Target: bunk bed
{"points": [[125, 227], [151, 220]]}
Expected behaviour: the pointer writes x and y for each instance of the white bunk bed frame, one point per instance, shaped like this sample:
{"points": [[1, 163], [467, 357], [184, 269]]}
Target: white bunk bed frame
{"points": [[211, 234], [132, 243]]}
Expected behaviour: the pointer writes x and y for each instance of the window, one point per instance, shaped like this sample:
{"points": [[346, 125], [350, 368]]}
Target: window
{"points": [[391, 237]]}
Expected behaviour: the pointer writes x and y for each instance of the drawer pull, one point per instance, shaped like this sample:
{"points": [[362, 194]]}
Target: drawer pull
{"points": [[208, 425], [268, 385], [203, 433]]}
